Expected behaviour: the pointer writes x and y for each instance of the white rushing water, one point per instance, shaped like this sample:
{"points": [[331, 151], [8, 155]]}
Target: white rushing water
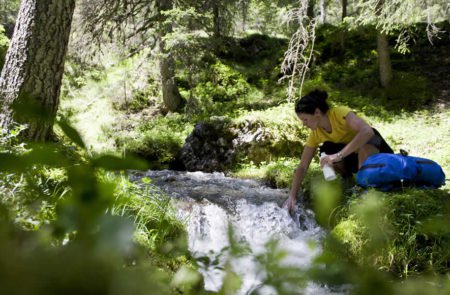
{"points": [[210, 203]]}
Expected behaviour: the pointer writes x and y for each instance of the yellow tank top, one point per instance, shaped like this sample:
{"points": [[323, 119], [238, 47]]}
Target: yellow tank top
{"points": [[340, 131]]}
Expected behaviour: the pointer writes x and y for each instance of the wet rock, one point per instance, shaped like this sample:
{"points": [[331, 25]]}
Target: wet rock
{"points": [[209, 147], [220, 143]]}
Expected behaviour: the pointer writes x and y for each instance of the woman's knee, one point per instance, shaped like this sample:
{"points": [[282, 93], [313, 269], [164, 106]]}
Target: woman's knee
{"points": [[342, 170]]}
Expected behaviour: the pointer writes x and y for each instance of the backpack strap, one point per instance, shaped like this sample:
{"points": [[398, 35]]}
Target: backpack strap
{"points": [[403, 152]]}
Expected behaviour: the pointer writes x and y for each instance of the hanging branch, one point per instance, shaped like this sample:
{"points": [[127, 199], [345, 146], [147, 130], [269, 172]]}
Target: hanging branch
{"points": [[399, 17], [300, 51]]}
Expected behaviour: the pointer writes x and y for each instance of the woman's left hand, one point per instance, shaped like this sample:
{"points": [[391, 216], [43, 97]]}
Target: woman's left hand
{"points": [[329, 159]]}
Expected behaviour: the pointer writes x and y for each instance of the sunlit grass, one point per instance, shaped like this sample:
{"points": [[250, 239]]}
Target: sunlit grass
{"points": [[93, 107], [421, 134], [151, 210]]}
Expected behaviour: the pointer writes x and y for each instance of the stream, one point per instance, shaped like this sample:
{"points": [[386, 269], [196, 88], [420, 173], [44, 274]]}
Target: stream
{"points": [[208, 203]]}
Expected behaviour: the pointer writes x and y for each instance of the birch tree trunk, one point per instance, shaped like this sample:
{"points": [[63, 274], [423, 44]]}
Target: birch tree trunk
{"points": [[30, 81], [323, 11], [310, 10]]}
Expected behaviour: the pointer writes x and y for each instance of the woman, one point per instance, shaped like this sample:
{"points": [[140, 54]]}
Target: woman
{"points": [[346, 139]]}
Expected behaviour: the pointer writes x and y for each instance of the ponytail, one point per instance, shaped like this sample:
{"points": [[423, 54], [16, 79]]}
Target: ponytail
{"points": [[315, 99]]}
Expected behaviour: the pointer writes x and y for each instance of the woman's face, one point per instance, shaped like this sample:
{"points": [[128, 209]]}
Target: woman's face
{"points": [[308, 120]]}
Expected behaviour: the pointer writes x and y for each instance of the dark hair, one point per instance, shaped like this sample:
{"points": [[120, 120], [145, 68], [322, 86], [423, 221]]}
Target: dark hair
{"points": [[315, 99]]}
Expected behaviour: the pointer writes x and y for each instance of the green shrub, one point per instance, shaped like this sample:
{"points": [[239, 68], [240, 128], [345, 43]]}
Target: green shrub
{"points": [[67, 226], [223, 84], [408, 91], [396, 231], [154, 145], [338, 43], [141, 99]]}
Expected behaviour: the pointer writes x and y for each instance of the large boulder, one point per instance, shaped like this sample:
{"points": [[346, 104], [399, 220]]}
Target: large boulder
{"points": [[209, 147], [253, 141], [218, 144]]}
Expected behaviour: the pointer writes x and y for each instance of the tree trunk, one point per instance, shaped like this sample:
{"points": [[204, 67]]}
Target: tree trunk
{"points": [[30, 81], [342, 33], [323, 9], [216, 19], [384, 60], [244, 8], [172, 98], [310, 9], [344, 9]]}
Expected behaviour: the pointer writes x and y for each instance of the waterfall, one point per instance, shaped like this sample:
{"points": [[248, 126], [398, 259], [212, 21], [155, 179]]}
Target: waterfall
{"points": [[210, 203]]}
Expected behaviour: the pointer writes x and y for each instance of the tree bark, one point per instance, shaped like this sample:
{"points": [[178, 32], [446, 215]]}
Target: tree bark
{"points": [[30, 81], [384, 60], [342, 33], [344, 9], [216, 19], [323, 9], [310, 9], [244, 9], [172, 98]]}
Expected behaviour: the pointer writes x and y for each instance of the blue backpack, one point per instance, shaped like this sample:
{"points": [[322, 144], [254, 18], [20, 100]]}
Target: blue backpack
{"points": [[389, 171]]}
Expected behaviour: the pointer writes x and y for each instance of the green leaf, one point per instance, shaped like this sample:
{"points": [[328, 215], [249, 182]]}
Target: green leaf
{"points": [[71, 133], [45, 154]]}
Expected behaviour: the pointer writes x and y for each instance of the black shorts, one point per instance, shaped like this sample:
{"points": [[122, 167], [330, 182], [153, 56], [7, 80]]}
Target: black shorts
{"points": [[351, 161]]}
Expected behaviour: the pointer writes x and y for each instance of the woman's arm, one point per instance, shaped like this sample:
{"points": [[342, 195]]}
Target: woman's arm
{"points": [[299, 175], [363, 134]]}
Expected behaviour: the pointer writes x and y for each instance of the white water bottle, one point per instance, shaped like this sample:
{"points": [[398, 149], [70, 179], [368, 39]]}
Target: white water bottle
{"points": [[328, 171]]}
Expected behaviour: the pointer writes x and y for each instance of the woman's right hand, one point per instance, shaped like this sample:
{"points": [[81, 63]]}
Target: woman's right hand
{"points": [[290, 204]]}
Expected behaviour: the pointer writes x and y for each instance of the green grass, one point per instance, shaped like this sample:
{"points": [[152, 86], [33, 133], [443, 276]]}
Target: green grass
{"points": [[70, 222], [403, 234], [421, 133], [152, 213], [396, 232], [400, 233], [100, 102]]}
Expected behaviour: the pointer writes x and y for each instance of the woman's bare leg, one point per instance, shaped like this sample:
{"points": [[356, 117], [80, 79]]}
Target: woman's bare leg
{"points": [[366, 151], [339, 167]]}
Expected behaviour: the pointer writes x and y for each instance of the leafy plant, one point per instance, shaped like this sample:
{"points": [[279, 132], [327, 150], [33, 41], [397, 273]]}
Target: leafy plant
{"points": [[73, 225], [387, 230]]}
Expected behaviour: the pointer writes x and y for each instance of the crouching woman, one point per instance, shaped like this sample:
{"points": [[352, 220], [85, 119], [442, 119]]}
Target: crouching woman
{"points": [[346, 139]]}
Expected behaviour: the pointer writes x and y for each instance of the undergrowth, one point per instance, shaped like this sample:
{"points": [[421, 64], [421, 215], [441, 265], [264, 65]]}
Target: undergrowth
{"points": [[68, 223], [394, 232], [402, 233]]}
